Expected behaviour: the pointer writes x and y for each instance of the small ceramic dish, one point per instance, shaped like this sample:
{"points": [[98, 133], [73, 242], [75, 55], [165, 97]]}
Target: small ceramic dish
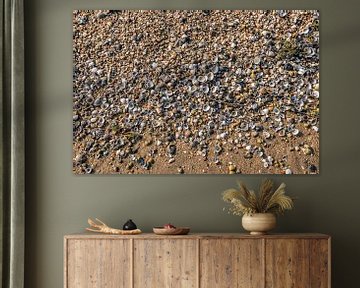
{"points": [[171, 231]]}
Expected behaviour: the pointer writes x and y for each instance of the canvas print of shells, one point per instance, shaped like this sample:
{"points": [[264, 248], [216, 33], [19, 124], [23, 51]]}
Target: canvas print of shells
{"points": [[195, 92]]}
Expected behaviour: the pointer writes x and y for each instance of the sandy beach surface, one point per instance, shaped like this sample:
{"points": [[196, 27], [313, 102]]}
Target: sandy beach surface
{"points": [[195, 92]]}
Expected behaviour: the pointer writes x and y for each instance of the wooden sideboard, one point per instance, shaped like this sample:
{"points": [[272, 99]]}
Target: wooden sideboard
{"points": [[197, 260]]}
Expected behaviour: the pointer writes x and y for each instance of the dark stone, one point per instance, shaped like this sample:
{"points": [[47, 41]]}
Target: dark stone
{"points": [[288, 67], [172, 149], [129, 225], [141, 161], [312, 168]]}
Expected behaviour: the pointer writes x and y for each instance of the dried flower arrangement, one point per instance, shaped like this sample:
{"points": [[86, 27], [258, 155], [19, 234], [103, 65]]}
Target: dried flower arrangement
{"points": [[267, 200]]}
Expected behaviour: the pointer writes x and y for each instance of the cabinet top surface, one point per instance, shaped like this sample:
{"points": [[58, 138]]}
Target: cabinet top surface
{"points": [[87, 235]]}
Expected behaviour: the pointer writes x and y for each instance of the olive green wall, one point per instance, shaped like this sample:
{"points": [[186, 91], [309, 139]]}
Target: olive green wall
{"points": [[59, 202]]}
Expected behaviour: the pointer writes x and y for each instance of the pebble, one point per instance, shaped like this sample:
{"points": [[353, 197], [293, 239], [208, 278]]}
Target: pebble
{"points": [[80, 159], [248, 155], [312, 168], [89, 170], [232, 168], [172, 150], [307, 150]]}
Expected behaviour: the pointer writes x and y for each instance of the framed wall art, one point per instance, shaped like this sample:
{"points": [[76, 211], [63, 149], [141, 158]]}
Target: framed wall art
{"points": [[196, 91]]}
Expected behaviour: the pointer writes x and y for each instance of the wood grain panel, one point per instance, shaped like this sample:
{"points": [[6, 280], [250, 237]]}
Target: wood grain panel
{"points": [[319, 263], [231, 263], [98, 264], [287, 263], [89, 235], [166, 263], [197, 260]]}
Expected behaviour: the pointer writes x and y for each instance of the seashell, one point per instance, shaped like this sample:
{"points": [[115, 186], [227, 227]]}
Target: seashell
{"points": [[88, 170], [264, 111], [267, 135], [167, 105], [202, 79], [235, 113], [313, 122], [192, 89], [305, 31], [210, 76], [257, 60], [215, 69], [282, 133], [83, 20], [309, 51], [244, 127], [105, 105], [214, 89], [168, 93], [254, 106], [89, 100], [192, 66], [123, 84], [205, 89], [315, 128], [296, 132], [301, 70], [197, 94], [211, 124], [149, 84], [272, 83], [248, 155], [206, 108], [282, 13], [194, 81]]}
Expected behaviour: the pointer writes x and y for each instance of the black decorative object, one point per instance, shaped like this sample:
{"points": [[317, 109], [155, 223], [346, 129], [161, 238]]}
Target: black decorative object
{"points": [[129, 225]]}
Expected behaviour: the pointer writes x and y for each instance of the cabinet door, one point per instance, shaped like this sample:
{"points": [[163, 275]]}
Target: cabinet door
{"points": [[287, 263], [164, 263], [231, 263], [320, 263], [98, 263]]}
